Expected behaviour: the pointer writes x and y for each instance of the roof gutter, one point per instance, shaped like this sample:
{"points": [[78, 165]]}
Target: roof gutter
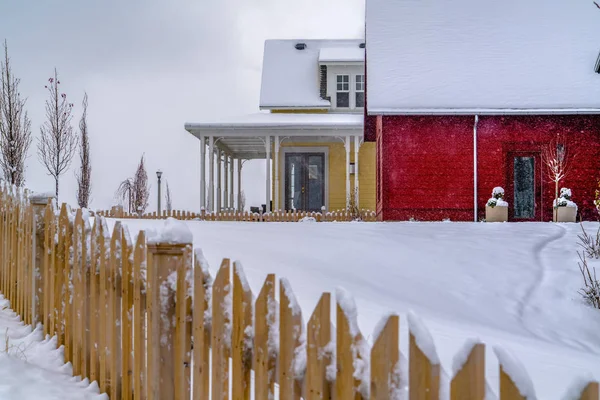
{"points": [[483, 111]]}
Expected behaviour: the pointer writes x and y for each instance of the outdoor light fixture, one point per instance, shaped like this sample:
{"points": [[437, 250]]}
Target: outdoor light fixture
{"points": [[597, 68], [159, 175], [352, 168]]}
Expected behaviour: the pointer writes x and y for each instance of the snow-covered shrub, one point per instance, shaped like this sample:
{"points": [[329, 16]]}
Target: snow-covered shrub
{"points": [[590, 244], [591, 287], [497, 198], [564, 200]]}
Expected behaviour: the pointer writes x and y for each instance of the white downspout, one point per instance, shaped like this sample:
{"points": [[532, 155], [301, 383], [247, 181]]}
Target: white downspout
{"points": [[475, 167]]}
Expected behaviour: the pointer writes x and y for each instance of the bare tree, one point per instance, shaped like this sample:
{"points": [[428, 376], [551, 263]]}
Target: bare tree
{"points": [[141, 188], [558, 159], [15, 125], [84, 177], [58, 141], [125, 194], [169, 199]]}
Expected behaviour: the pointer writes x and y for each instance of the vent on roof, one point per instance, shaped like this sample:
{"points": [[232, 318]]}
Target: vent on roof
{"points": [[597, 69], [362, 45], [300, 46]]}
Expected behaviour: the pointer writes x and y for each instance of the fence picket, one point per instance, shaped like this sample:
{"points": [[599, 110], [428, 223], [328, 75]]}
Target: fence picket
{"points": [[201, 328], [241, 357], [182, 338], [126, 372], [113, 332], [264, 354], [102, 305], [221, 323], [139, 318], [318, 338], [591, 392], [384, 359], [469, 382], [78, 295], [347, 343], [424, 376], [508, 389], [291, 328]]}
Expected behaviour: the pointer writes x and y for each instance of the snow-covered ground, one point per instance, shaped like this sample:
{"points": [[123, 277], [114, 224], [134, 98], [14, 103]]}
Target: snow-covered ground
{"points": [[510, 285], [32, 368]]}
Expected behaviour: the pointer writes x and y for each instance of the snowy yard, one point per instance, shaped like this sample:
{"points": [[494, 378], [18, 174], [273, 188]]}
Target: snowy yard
{"points": [[32, 368], [512, 285]]}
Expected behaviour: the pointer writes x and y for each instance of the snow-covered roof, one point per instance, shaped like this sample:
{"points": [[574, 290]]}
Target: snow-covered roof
{"points": [[282, 121], [482, 56], [244, 136], [290, 77], [341, 54]]}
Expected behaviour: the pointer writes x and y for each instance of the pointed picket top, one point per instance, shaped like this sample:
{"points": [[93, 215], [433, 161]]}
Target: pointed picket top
{"points": [[515, 382], [242, 334], [583, 389], [468, 368], [424, 362], [292, 343], [385, 380], [265, 341]]}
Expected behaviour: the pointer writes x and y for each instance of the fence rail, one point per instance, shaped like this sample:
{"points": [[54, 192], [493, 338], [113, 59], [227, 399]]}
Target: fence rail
{"points": [[245, 216], [146, 320]]}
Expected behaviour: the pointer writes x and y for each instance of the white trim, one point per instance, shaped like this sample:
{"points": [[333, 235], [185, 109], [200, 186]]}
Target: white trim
{"points": [[211, 178], [203, 173], [268, 188], [481, 111], [305, 107], [282, 152]]}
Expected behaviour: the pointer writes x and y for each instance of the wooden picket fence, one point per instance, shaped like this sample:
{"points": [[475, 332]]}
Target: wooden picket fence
{"points": [[245, 216], [146, 320]]}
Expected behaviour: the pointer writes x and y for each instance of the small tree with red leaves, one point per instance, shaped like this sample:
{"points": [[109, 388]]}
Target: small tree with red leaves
{"points": [[58, 141]]}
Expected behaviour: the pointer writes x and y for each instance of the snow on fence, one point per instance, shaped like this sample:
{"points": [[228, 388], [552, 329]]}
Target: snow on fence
{"points": [[232, 215], [145, 319]]}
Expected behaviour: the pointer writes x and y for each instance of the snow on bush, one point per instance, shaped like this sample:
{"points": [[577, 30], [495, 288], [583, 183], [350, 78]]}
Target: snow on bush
{"points": [[423, 337], [172, 232], [497, 198], [517, 373], [564, 199], [307, 219]]}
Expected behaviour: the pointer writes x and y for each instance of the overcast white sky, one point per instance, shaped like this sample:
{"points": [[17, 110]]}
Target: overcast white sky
{"points": [[148, 67]]}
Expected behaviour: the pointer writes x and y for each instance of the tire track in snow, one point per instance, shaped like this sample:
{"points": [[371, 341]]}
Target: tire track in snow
{"points": [[541, 273]]}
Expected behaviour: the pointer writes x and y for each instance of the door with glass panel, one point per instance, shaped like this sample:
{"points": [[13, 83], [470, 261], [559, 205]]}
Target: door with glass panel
{"points": [[304, 181], [524, 186]]}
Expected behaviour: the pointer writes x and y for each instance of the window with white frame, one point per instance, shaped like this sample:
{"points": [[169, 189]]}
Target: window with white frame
{"points": [[359, 93], [343, 91]]}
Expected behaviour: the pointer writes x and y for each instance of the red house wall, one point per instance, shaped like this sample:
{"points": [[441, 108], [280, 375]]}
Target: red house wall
{"points": [[425, 163]]}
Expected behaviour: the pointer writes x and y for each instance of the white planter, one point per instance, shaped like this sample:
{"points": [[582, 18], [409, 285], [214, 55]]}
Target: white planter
{"points": [[564, 214], [496, 214]]}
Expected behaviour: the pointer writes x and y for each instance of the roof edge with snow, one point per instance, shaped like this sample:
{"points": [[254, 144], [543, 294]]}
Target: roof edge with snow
{"points": [[482, 111]]}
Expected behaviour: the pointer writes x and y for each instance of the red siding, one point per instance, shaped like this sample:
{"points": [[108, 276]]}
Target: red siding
{"points": [[426, 163]]}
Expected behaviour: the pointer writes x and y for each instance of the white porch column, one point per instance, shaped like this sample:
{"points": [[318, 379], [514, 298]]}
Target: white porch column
{"points": [[276, 174], [239, 193], [356, 180], [219, 188], [347, 146], [211, 178], [268, 171], [231, 196], [202, 173], [226, 181]]}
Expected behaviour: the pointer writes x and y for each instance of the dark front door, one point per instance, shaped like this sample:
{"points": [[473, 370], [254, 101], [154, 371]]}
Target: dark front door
{"points": [[524, 186], [304, 181]]}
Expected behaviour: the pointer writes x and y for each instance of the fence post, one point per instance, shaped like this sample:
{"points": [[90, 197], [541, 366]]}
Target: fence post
{"points": [[165, 370], [39, 204], [241, 357]]}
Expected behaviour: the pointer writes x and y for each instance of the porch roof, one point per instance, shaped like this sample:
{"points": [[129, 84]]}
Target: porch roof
{"points": [[245, 136]]}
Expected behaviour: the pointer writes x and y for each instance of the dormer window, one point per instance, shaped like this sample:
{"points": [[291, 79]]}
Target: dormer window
{"points": [[343, 91], [360, 91]]}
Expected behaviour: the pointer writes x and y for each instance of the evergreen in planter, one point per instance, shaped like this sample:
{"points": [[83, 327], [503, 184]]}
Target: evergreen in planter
{"points": [[496, 209], [565, 210]]}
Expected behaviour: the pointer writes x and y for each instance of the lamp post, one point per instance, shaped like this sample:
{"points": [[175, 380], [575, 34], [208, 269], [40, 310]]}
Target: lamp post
{"points": [[159, 175]]}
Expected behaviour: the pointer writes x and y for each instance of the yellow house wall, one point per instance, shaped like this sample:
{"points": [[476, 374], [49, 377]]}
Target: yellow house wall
{"points": [[337, 174]]}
